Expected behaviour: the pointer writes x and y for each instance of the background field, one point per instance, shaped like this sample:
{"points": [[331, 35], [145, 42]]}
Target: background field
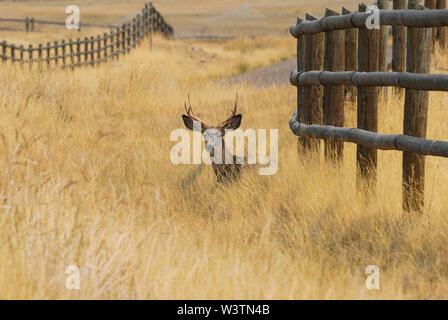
{"points": [[86, 180]]}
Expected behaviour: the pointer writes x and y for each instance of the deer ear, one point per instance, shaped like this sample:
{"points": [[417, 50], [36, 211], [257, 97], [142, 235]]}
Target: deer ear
{"points": [[189, 123], [234, 123]]}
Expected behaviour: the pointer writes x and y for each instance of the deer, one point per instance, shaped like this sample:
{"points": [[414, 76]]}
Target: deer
{"points": [[214, 138]]}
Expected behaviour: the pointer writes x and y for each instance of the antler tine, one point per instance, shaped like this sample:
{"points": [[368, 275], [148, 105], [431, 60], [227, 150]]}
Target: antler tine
{"points": [[232, 111], [190, 112], [191, 108]]}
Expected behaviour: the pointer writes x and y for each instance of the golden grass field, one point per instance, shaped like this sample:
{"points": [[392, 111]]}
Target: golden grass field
{"points": [[87, 180]]}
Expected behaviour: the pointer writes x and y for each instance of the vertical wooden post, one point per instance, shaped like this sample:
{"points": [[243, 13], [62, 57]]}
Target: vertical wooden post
{"points": [[301, 90], [63, 53], [86, 51], [128, 37], [13, 54], [442, 32], [21, 55], [368, 52], [314, 60], [98, 49], [133, 32], [56, 47], [72, 54], [432, 4], [139, 28], [27, 24], [30, 55], [39, 52], [4, 51], [415, 115], [351, 56], [32, 24], [151, 24], [118, 41], [78, 51], [105, 49], [333, 101], [300, 67], [399, 43], [48, 54], [112, 44], [384, 37], [92, 51]]}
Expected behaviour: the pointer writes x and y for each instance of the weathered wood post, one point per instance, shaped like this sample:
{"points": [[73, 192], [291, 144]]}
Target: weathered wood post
{"points": [[314, 60], [27, 24], [48, 54], [105, 49], [112, 44], [32, 24], [92, 51], [13, 54], [30, 56], [133, 32], [415, 114], [442, 32], [399, 43], [351, 56], [128, 37], [368, 51], [432, 4], [39, 56], [301, 90], [78, 51], [63, 53], [86, 50], [333, 101], [384, 37], [72, 54], [3, 44], [98, 49], [151, 24], [56, 47], [21, 56]]}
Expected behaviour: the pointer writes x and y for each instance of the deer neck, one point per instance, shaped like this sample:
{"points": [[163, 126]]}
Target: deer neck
{"points": [[224, 152]]}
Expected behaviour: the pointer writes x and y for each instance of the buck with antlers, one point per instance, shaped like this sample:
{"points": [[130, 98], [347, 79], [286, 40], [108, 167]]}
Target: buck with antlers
{"points": [[214, 142]]}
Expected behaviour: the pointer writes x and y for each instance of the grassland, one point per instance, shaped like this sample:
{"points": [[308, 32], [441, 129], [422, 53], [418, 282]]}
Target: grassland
{"points": [[86, 179]]}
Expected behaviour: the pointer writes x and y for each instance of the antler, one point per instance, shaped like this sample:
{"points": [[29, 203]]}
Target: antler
{"points": [[190, 111], [224, 123]]}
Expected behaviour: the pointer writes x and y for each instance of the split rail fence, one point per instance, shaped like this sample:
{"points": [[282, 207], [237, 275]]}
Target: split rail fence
{"points": [[337, 53], [89, 51]]}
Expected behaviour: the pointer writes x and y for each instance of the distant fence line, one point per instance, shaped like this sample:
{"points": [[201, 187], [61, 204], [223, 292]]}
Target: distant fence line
{"points": [[30, 23], [337, 53], [93, 50]]}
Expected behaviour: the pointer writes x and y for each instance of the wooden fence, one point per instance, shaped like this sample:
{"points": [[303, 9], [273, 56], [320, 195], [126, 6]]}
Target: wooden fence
{"points": [[90, 51], [337, 53], [30, 23]]}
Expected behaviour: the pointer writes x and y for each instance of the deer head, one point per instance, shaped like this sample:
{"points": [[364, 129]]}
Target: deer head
{"points": [[212, 134]]}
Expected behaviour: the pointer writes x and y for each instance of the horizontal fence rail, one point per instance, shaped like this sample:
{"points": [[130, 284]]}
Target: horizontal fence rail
{"points": [[407, 80], [89, 51], [338, 52], [371, 139], [406, 18]]}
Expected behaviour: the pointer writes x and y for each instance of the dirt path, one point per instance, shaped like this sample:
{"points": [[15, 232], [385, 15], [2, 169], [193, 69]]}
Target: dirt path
{"points": [[276, 74]]}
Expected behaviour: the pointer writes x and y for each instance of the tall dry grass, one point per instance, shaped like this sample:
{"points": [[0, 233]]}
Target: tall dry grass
{"points": [[86, 179]]}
